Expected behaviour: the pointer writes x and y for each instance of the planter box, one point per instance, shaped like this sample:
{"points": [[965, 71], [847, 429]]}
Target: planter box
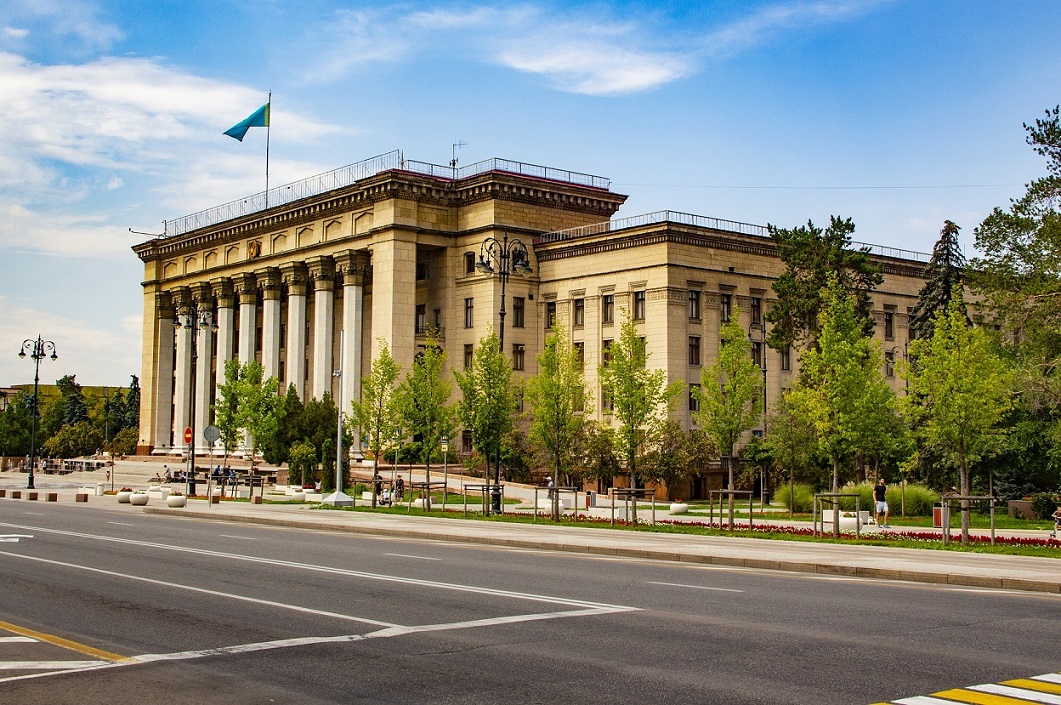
{"points": [[138, 499], [176, 501], [81, 497]]}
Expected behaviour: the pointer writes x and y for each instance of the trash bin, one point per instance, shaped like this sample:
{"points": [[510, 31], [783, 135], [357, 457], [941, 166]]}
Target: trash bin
{"points": [[100, 489], [940, 515]]}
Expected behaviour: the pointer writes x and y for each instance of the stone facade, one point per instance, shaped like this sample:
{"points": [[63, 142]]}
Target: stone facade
{"points": [[390, 257]]}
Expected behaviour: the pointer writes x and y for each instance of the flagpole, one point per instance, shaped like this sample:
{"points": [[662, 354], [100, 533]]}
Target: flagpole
{"points": [[268, 131]]}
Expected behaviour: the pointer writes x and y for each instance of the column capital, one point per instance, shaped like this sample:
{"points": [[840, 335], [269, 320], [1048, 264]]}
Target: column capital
{"points": [[222, 288], [352, 267], [182, 296], [246, 286], [269, 281], [295, 277], [321, 271], [164, 305], [203, 294]]}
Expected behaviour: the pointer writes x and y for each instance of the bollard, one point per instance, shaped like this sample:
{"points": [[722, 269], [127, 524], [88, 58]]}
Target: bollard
{"points": [[215, 499], [51, 497], [81, 497]]}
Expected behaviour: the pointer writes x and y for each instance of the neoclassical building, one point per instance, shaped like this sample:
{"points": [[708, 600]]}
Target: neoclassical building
{"points": [[311, 277]]}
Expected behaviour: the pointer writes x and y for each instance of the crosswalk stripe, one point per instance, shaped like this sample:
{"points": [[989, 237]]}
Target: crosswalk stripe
{"points": [[47, 665], [1049, 678], [964, 695], [1034, 684], [1020, 693]]}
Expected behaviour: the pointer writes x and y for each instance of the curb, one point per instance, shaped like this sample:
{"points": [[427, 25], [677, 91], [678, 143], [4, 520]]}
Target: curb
{"points": [[976, 581]]}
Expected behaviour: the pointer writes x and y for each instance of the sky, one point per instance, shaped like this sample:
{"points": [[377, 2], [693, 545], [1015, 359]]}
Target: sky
{"points": [[896, 113]]}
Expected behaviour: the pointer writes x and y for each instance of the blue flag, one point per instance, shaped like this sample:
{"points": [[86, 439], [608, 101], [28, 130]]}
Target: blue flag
{"points": [[259, 118]]}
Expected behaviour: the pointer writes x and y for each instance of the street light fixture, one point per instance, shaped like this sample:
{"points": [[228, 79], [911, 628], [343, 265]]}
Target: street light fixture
{"points": [[37, 349], [190, 317], [761, 327], [503, 258]]}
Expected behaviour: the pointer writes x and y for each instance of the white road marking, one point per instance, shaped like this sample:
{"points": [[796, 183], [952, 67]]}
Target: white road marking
{"points": [[1017, 693], [120, 523], [14, 538], [48, 665], [242, 538], [17, 640], [33, 514], [406, 555], [695, 587]]}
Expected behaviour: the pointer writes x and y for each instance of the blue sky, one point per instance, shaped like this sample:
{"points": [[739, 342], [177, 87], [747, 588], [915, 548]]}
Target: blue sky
{"points": [[896, 113]]}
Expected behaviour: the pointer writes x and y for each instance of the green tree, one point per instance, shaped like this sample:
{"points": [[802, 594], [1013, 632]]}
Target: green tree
{"points": [[376, 413], [838, 387], [124, 442], [640, 397], [960, 390], [73, 440], [669, 457], [558, 397], [601, 457], [488, 400], [226, 409], [131, 412], [302, 463], [15, 422], [258, 401], [813, 256], [73, 400], [423, 398], [943, 281], [288, 428], [792, 438], [730, 394]]}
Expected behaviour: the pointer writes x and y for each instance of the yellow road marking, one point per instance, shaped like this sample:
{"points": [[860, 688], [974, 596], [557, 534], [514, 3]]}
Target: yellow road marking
{"points": [[971, 696], [64, 643], [1029, 684]]}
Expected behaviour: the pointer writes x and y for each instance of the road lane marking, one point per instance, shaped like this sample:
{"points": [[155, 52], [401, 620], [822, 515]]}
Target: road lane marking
{"points": [[1045, 688], [1018, 693], [406, 555], [205, 591], [61, 642], [695, 587], [315, 568], [14, 538], [17, 640], [47, 665], [120, 523], [241, 538]]}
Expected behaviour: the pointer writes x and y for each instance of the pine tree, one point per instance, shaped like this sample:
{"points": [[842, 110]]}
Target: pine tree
{"points": [[944, 276], [131, 412]]}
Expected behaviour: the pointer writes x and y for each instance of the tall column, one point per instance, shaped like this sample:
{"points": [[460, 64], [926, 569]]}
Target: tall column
{"points": [[247, 290], [322, 273], [353, 266], [269, 283], [394, 297], [164, 374], [226, 325], [182, 390], [295, 279], [204, 370]]}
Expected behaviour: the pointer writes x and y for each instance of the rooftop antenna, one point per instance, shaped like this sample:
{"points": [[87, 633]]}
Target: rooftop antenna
{"points": [[453, 162]]}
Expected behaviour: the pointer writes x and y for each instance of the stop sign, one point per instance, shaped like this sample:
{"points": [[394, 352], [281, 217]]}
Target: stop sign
{"points": [[188, 435]]}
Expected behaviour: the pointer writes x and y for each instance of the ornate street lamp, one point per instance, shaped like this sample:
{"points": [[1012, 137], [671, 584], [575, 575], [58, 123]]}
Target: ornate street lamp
{"points": [[190, 317], [503, 258], [37, 349]]}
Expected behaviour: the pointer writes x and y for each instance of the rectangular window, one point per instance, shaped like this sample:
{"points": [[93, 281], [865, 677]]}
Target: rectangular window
{"points": [[518, 311], [469, 312], [606, 352], [438, 319], [580, 313], [466, 441], [725, 306], [469, 352], [757, 354], [580, 354], [889, 364], [694, 397], [517, 356], [889, 325], [757, 309], [550, 315], [694, 305], [421, 271], [786, 358], [421, 319], [469, 262], [607, 403], [694, 350], [639, 305], [608, 308]]}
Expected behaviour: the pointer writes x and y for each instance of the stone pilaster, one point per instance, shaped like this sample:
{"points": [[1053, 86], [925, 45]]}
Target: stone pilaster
{"points": [[296, 278], [322, 274], [163, 428], [269, 283], [352, 268]]}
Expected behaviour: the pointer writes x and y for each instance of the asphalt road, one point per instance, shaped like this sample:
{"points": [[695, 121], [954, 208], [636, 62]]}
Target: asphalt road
{"points": [[163, 610]]}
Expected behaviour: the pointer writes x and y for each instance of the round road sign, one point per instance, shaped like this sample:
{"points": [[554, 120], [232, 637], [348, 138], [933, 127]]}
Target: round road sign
{"points": [[188, 435]]}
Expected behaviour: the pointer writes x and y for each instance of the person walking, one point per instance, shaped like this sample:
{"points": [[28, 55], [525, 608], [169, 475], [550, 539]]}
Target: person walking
{"points": [[880, 494]]}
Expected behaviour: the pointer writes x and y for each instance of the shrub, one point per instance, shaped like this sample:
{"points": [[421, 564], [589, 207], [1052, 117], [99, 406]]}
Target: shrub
{"points": [[804, 497], [919, 500], [1044, 504]]}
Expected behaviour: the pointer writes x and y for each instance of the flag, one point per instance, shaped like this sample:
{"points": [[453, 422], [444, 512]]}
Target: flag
{"points": [[259, 118]]}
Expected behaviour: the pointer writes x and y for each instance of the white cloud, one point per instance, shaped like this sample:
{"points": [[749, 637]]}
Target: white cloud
{"points": [[602, 69], [16, 33], [73, 23]]}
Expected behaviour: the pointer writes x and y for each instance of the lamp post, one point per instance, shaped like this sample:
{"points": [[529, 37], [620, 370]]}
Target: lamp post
{"points": [[761, 327], [37, 349], [190, 317], [503, 258], [338, 498]]}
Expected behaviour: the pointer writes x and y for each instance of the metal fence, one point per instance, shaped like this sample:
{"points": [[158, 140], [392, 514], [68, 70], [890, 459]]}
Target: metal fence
{"points": [[350, 174]]}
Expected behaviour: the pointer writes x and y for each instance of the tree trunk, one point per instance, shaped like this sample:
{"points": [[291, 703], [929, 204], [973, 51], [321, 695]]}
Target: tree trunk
{"points": [[729, 465]]}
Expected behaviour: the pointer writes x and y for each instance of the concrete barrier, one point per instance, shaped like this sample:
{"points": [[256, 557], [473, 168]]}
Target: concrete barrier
{"points": [[51, 497], [81, 497]]}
